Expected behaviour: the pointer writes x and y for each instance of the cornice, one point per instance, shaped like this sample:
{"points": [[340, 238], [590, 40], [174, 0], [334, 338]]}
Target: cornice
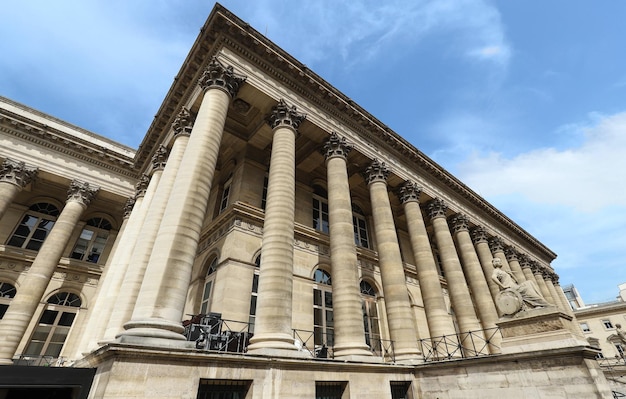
{"points": [[57, 141], [224, 29]]}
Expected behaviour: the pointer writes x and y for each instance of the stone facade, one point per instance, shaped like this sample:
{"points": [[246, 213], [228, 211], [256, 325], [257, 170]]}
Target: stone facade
{"points": [[269, 237]]}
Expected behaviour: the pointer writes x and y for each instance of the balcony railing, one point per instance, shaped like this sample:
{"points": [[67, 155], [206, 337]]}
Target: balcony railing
{"points": [[39, 361], [211, 332], [460, 345]]}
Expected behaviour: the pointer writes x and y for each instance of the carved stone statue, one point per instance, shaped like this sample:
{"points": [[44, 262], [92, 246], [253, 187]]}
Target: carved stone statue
{"points": [[514, 297]]}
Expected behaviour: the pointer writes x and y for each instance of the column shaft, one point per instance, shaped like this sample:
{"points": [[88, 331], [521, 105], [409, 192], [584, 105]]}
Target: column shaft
{"points": [[347, 308], [273, 328], [457, 286], [162, 296], [479, 238], [22, 308], [476, 279], [145, 233], [397, 302], [437, 316]]}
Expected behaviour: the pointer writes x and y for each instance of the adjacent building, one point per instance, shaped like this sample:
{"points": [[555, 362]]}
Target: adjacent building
{"points": [[269, 238]]}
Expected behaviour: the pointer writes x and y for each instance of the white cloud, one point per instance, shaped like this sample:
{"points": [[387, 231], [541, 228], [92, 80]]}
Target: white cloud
{"points": [[587, 178]]}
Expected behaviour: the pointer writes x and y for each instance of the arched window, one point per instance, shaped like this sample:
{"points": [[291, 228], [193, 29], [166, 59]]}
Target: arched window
{"points": [[359, 223], [92, 240], [54, 325], [254, 294], [371, 320], [320, 209], [35, 226], [208, 285], [7, 292], [323, 321]]}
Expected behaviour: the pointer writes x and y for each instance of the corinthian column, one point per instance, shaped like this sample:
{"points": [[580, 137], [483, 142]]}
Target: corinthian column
{"points": [[163, 294], [14, 176], [148, 222], [496, 244], [511, 256], [23, 305], [538, 272], [397, 302], [349, 328], [548, 277], [437, 316], [474, 274], [480, 240], [111, 288], [457, 286], [524, 262], [272, 329]]}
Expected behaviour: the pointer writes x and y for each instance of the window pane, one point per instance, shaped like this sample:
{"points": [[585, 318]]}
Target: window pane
{"points": [[317, 316], [34, 348], [329, 318], [253, 305], [48, 316], [317, 297], [328, 299], [67, 318], [53, 350]]}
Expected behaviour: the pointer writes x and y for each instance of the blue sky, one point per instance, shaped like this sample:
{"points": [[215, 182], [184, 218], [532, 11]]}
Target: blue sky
{"points": [[525, 101]]}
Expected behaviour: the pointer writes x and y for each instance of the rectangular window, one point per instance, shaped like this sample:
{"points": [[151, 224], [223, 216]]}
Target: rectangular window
{"points": [[360, 231], [225, 195], [264, 193], [323, 318], [320, 215], [607, 324], [401, 390], [223, 389], [585, 327], [329, 390]]}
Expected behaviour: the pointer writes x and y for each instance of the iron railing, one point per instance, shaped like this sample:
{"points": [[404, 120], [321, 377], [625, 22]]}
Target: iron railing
{"points": [[461, 345], [39, 361], [213, 333], [321, 345]]}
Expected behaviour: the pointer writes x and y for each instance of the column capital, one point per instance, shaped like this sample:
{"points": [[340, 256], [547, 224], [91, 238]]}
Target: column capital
{"points": [[496, 244], [409, 192], [336, 147], [142, 185], [436, 208], [511, 253], [479, 235], [183, 123], [217, 75], [17, 173], [536, 267], [377, 171], [524, 261], [555, 278], [459, 222], [81, 192], [283, 115], [128, 206], [159, 159]]}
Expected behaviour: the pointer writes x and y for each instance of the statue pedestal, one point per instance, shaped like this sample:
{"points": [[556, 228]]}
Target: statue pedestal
{"points": [[538, 329]]}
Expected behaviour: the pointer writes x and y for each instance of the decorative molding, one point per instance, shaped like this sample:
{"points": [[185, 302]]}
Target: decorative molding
{"points": [[409, 191], [183, 123], [479, 235], [284, 116], [216, 75], [17, 173], [336, 147], [511, 253], [159, 159], [377, 171], [142, 185], [81, 192], [436, 208], [128, 207], [496, 244]]}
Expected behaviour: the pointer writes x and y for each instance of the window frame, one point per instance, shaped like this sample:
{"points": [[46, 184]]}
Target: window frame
{"points": [[7, 293], [50, 216], [209, 280], [101, 229], [359, 231], [323, 313]]}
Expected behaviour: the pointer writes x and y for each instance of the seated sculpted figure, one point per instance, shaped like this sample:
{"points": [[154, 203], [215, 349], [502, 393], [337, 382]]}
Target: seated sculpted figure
{"points": [[527, 290]]}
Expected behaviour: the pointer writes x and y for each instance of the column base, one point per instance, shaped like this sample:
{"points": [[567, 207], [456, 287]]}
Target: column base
{"points": [[6, 362], [275, 345], [348, 351], [408, 356], [155, 342], [153, 328]]}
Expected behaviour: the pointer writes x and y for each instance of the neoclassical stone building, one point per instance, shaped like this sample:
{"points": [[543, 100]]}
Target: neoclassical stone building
{"points": [[269, 238]]}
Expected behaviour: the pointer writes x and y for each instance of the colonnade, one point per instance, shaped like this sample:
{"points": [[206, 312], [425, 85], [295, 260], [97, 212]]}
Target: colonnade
{"points": [[144, 303]]}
